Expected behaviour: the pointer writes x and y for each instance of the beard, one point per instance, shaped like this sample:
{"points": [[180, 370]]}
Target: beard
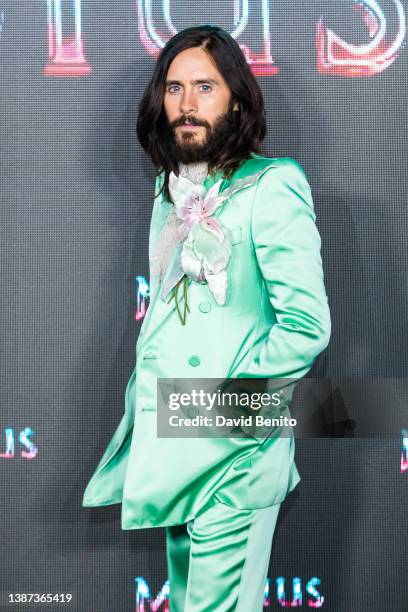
{"points": [[189, 149]]}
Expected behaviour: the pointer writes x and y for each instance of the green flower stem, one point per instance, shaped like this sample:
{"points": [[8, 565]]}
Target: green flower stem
{"points": [[174, 294]]}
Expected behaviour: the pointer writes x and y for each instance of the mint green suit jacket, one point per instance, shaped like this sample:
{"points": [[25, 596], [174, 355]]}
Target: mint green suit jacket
{"points": [[274, 323]]}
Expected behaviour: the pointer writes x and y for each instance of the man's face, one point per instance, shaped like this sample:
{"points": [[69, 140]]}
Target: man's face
{"points": [[197, 94]]}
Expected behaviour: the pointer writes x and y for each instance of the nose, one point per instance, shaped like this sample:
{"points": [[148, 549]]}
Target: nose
{"points": [[188, 102]]}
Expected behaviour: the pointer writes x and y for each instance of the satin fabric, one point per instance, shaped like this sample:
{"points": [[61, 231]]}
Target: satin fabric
{"points": [[219, 560], [274, 323]]}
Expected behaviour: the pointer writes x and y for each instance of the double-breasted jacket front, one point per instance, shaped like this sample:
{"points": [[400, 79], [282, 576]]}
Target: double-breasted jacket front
{"points": [[274, 323]]}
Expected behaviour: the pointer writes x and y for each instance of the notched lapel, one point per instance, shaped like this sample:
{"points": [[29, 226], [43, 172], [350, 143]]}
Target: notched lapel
{"points": [[233, 186], [161, 309]]}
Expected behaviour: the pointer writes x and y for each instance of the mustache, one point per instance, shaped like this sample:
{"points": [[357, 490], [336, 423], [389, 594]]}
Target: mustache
{"points": [[188, 120]]}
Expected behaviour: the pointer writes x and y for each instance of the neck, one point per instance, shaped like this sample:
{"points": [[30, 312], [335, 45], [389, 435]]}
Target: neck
{"points": [[194, 171]]}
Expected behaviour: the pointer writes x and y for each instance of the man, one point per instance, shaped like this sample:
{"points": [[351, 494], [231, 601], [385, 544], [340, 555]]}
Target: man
{"points": [[236, 291]]}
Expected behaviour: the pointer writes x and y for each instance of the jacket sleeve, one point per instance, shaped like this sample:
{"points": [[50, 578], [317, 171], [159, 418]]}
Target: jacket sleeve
{"points": [[287, 248]]}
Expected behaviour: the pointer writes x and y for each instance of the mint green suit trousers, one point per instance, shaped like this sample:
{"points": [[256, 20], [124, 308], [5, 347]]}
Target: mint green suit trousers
{"points": [[218, 561]]}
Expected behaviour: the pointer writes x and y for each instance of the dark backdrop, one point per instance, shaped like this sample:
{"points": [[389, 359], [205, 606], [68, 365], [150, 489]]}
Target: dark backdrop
{"points": [[76, 196]]}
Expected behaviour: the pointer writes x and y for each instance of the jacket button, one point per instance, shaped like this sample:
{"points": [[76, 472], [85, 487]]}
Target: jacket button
{"points": [[205, 306], [194, 360]]}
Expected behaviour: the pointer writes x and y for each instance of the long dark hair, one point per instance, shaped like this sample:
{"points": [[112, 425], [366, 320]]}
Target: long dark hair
{"points": [[231, 63]]}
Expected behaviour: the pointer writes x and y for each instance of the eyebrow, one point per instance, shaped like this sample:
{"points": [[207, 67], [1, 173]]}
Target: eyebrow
{"points": [[196, 82]]}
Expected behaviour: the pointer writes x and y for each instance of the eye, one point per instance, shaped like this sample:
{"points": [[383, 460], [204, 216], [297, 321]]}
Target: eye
{"points": [[169, 89], [209, 87]]}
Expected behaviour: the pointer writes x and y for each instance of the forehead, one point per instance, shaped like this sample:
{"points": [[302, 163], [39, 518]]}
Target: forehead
{"points": [[193, 63]]}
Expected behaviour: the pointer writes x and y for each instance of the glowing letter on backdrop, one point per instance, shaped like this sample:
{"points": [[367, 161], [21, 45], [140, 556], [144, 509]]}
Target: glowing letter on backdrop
{"points": [[65, 55], [297, 592], [25, 441], [9, 454], [310, 588], [142, 292], [154, 40], [267, 601], [143, 595], [336, 56], [404, 454], [1, 21]]}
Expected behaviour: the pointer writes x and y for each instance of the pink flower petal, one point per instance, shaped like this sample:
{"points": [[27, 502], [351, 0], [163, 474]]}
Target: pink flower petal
{"points": [[185, 228]]}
